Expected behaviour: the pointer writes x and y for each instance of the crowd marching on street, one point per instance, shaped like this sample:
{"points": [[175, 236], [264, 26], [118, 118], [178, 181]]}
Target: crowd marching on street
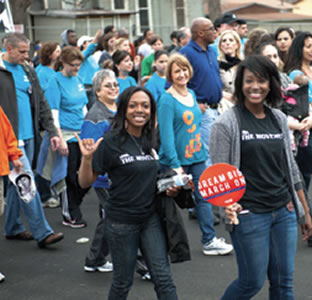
{"points": [[119, 116]]}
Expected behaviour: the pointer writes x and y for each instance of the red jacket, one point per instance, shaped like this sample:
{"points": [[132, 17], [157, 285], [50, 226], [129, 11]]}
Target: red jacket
{"points": [[8, 144]]}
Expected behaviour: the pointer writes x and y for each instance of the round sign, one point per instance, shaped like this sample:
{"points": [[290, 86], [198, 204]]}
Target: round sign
{"points": [[222, 184]]}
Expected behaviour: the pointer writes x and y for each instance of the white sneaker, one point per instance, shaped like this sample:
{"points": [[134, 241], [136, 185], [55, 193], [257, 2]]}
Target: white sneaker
{"points": [[2, 277], [53, 203], [107, 267], [217, 246]]}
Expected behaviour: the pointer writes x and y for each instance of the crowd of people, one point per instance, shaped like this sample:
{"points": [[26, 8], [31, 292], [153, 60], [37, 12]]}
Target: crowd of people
{"points": [[114, 114]]}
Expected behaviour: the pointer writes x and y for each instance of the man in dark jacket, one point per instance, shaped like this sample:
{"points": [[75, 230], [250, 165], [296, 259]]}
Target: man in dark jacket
{"points": [[23, 102]]}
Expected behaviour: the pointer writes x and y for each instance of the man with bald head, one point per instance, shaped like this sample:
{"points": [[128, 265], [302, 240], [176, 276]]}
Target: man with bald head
{"points": [[206, 84]]}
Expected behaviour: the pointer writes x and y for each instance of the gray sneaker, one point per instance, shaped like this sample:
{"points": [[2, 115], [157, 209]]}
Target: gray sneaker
{"points": [[107, 267], [217, 246]]}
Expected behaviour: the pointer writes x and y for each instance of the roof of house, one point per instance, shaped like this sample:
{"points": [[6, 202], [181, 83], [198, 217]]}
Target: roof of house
{"points": [[229, 5], [274, 16], [284, 10]]}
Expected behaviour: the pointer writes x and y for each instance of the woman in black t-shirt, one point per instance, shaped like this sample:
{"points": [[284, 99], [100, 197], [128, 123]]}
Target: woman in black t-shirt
{"points": [[126, 153], [254, 137]]}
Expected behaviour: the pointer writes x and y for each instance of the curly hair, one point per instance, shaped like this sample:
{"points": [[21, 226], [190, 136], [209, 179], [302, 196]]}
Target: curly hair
{"points": [[256, 37]]}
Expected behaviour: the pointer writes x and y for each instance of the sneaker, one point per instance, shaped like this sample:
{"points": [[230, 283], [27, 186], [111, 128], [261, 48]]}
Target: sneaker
{"points": [[192, 214], [217, 246], [53, 203], [147, 276], [142, 270], [107, 267], [2, 277], [75, 223]]}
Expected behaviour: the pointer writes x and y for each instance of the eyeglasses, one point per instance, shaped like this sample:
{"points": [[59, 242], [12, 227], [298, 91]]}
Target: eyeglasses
{"points": [[111, 85], [212, 28], [74, 65]]}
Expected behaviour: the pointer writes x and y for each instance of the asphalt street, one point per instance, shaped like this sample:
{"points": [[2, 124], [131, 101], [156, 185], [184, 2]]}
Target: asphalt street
{"points": [[57, 272]]}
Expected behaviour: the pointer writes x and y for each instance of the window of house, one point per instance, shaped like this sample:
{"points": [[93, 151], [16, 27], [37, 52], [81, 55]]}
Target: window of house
{"points": [[119, 4], [144, 17], [180, 13]]}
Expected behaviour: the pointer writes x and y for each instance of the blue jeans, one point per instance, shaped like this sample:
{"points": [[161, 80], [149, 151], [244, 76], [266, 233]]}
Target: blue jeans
{"points": [[265, 244], [203, 208], [205, 127], [124, 241], [33, 211]]}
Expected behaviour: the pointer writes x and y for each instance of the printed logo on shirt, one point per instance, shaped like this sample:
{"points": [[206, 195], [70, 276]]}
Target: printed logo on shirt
{"points": [[80, 87], [194, 144], [127, 158], [26, 78], [247, 136]]}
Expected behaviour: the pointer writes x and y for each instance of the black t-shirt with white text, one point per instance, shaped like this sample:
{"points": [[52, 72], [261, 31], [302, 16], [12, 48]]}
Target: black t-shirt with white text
{"points": [[133, 178], [262, 156]]}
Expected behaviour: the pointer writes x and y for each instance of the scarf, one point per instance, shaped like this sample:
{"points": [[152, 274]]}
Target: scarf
{"points": [[229, 62]]}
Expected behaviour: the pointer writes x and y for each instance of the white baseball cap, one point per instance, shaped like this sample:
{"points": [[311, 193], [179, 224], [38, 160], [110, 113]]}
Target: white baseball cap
{"points": [[83, 39]]}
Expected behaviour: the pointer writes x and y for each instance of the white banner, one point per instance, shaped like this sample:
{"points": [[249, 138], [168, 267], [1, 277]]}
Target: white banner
{"points": [[6, 21]]}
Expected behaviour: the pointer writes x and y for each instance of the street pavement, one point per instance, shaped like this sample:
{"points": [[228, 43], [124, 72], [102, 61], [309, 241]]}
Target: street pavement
{"points": [[57, 272]]}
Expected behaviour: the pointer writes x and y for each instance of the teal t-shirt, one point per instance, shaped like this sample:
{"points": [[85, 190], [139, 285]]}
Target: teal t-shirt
{"points": [[89, 66], [44, 74], [156, 85], [23, 88], [180, 141], [125, 83], [68, 96]]}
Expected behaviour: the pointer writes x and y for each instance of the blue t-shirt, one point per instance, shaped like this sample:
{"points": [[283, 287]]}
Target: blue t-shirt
{"points": [[206, 82], [89, 65], [293, 74], [180, 141], [22, 87], [125, 83], [156, 85], [68, 96], [44, 74]]}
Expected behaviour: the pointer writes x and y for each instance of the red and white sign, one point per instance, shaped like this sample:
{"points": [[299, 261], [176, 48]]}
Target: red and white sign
{"points": [[222, 184]]}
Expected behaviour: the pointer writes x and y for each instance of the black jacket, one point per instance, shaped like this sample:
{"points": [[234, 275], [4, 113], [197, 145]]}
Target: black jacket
{"points": [[41, 112], [172, 223]]}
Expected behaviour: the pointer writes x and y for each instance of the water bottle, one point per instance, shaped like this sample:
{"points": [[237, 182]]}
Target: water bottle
{"points": [[178, 180]]}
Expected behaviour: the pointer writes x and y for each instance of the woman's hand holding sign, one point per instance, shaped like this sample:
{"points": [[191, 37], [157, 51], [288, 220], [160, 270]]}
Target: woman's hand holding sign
{"points": [[223, 185]]}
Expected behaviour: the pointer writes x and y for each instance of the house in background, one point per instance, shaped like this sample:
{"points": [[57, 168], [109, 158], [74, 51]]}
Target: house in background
{"points": [[271, 14], [48, 18]]}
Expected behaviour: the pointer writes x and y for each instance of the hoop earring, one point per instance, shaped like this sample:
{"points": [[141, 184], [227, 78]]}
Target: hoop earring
{"points": [[126, 124]]}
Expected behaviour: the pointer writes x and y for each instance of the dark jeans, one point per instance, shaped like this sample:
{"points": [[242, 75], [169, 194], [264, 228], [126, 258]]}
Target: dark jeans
{"points": [[265, 245], [75, 193], [124, 241], [43, 187], [99, 247]]}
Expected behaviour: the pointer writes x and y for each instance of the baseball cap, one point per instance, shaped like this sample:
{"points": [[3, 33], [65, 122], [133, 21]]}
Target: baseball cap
{"points": [[82, 39], [24, 183], [229, 18]]}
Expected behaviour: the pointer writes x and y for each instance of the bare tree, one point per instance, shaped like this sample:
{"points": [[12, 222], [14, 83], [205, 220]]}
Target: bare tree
{"points": [[214, 8]]}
